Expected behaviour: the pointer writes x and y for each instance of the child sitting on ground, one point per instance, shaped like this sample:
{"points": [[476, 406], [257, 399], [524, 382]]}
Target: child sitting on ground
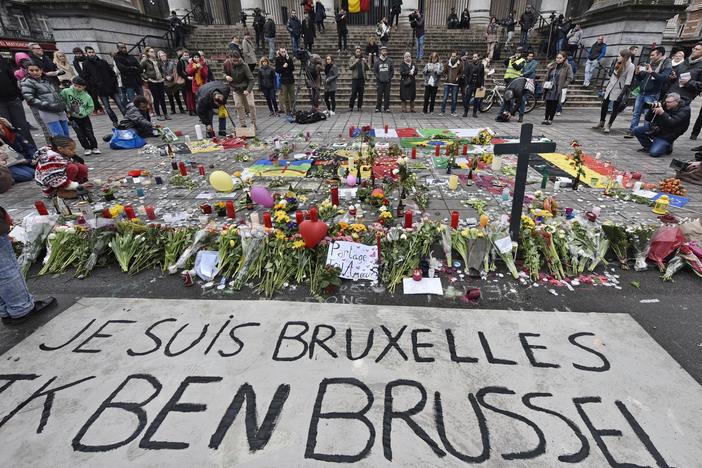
{"points": [[79, 106], [59, 171]]}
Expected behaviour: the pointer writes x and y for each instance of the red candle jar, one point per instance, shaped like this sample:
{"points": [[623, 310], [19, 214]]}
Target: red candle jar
{"points": [[351, 129], [465, 150], [150, 212], [448, 150], [231, 212], [335, 196], [414, 152], [313, 214], [201, 169], [454, 220], [129, 211], [436, 150], [636, 176], [408, 219], [267, 222], [183, 170], [41, 208], [206, 208], [386, 128], [106, 213], [299, 217], [417, 274]]}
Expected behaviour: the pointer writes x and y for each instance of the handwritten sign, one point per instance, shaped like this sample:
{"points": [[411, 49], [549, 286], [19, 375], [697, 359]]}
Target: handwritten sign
{"points": [[117, 382], [356, 261]]}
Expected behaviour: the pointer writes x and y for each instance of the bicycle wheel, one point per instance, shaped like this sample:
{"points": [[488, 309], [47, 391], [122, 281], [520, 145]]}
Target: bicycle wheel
{"points": [[530, 103], [487, 102]]}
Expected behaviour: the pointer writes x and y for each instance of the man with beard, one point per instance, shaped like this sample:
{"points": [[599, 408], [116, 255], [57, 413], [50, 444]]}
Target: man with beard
{"points": [[358, 66], [383, 71], [102, 79], [130, 70], [474, 73]]}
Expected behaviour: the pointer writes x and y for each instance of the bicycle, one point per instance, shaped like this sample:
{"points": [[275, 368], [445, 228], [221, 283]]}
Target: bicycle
{"points": [[496, 96]]}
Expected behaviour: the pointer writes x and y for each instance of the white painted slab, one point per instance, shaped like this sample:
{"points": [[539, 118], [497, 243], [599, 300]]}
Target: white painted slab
{"points": [[643, 389]]}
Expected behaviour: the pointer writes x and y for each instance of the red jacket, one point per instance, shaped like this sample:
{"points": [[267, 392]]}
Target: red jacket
{"points": [[199, 74]]}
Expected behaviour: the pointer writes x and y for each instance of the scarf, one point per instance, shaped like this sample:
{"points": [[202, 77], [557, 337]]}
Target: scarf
{"points": [[692, 61], [327, 68], [199, 80], [408, 62], [157, 69], [454, 65]]}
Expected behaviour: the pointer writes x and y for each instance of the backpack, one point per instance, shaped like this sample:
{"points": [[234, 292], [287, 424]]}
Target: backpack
{"points": [[126, 139], [308, 117]]}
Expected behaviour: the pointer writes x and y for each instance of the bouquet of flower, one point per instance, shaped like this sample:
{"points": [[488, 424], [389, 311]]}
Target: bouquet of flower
{"points": [[588, 245], [37, 229], [530, 250], [279, 267], [124, 246], [640, 239], [63, 249], [402, 251], [560, 239], [548, 250], [251, 250], [502, 244], [199, 239], [99, 245], [460, 245], [176, 242], [229, 247], [619, 241], [684, 256], [148, 252]]}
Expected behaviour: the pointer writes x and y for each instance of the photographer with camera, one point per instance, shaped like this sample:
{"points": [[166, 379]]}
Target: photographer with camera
{"points": [[417, 23], [663, 124], [651, 77]]}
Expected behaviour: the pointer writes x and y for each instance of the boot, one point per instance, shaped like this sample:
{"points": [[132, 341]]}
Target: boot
{"points": [[600, 125], [404, 106], [412, 107]]}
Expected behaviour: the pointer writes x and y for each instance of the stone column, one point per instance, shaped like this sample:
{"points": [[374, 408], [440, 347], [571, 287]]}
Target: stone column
{"points": [[180, 6], [553, 6], [479, 12], [249, 5], [329, 6]]}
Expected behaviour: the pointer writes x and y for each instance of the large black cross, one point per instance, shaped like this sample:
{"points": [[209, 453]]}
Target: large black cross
{"points": [[523, 150]]}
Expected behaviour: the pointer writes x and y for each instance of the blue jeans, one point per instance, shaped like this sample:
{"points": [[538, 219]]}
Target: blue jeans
{"points": [[130, 94], [271, 48], [453, 90], [22, 173], [59, 127], [420, 47], [108, 110], [15, 300], [525, 39], [295, 42], [638, 109], [654, 145]]}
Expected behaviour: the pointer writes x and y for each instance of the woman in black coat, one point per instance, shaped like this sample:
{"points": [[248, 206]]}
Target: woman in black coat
{"points": [[408, 82]]}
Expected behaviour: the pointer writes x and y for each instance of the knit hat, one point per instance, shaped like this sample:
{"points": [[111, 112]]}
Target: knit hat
{"points": [[79, 81]]}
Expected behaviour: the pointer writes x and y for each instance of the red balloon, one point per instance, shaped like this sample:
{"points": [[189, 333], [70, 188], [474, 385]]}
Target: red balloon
{"points": [[312, 230]]}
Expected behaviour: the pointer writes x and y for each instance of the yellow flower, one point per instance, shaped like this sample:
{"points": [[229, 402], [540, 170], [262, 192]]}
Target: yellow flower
{"points": [[343, 225], [354, 236], [385, 215], [232, 243], [116, 210], [358, 227], [280, 235], [298, 244], [281, 217], [527, 222], [303, 199]]}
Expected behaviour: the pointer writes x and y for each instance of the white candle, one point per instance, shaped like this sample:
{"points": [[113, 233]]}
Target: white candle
{"points": [[637, 186], [198, 132], [254, 219]]}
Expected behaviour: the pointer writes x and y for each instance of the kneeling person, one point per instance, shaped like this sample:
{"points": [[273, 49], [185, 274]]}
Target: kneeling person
{"points": [[137, 117], [211, 98], [663, 125]]}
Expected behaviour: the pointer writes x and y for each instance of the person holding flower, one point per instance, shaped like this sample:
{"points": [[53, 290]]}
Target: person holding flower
{"points": [[59, 171]]}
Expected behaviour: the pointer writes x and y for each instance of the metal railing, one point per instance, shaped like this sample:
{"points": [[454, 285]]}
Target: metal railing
{"points": [[197, 15]]}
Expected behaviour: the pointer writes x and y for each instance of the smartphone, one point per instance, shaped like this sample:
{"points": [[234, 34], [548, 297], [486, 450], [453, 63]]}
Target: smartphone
{"points": [[686, 76], [678, 165]]}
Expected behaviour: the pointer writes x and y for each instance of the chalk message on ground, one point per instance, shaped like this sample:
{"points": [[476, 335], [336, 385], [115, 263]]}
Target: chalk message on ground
{"points": [[112, 382]]}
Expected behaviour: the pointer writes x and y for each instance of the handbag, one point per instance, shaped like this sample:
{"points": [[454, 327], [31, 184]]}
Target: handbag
{"points": [[564, 95], [548, 84], [480, 93], [177, 79]]}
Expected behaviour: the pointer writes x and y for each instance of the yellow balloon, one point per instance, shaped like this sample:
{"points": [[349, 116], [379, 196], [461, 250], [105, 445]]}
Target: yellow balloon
{"points": [[221, 181]]}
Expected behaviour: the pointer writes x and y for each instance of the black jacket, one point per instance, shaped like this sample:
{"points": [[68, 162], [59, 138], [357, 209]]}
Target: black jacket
{"points": [[672, 123], [8, 83], [341, 27], [527, 20], [419, 27], [396, 6], [269, 28], [100, 76], [309, 32], [78, 65], [287, 75], [205, 105], [294, 26], [693, 87], [129, 70], [474, 73], [43, 62], [266, 78]]}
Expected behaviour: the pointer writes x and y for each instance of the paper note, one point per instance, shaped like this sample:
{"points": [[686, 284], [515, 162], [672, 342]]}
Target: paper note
{"points": [[425, 286], [356, 261]]}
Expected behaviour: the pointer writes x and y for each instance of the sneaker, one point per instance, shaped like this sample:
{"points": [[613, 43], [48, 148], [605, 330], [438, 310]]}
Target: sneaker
{"points": [[453, 114], [332, 113], [465, 114], [39, 307], [605, 129], [167, 117], [388, 111], [558, 114], [159, 118], [87, 152], [441, 113], [96, 151], [642, 150], [350, 110], [628, 135], [377, 110], [545, 122]]}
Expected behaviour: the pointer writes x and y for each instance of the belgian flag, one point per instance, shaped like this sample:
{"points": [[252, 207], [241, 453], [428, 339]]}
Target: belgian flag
{"points": [[358, 6]]}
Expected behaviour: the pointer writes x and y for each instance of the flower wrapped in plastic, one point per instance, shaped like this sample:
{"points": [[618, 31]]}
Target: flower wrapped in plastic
{"points": [[502, 245], [199, 239], [99, 244], [640, 239], [37, 229], [64, 247]]}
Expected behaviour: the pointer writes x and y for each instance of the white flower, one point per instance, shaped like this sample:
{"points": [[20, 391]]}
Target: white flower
{"points": [[395, 171]]}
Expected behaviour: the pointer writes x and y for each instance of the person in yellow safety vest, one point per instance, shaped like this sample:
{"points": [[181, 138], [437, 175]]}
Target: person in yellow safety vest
{"points": [[514, 66]]}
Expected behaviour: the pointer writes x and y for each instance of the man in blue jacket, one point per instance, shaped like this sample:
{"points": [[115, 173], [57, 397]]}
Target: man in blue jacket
{"points": [[651, 78], [295, 29], [595, 54]]}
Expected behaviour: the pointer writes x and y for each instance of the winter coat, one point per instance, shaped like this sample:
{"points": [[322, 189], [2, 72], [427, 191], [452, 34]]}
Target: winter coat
{"points": [[330, 79], [9, 91], [452, 73], [574, 36], [672, 123], [50, 172], [529, 69], [616, 84], [419, 29], [341, 27], [266, 77], [79, 104], [396, 6], [248, 52], [153, 70], [137, 120], [43, 62], [169, 69], [79, 63], [68, 71], [564, 78], [314, 72], [269, 29], [358, 68], [652, 83], [200, 74], [433, 73], [309, 32], [287, 74], [130, 70], [100, 76], [491, 32], [527, 20], [294, 26], [383, 70], [182, 70], [205, 105], [242, 78], [320, 13], [474, 74], [234, 47], [408, 82], [20, 73], [693, 87], [42, 95]]}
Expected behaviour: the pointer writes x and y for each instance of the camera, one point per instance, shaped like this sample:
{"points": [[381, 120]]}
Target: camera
{"points": [[302, 55], [413, 17], [652, 105]]}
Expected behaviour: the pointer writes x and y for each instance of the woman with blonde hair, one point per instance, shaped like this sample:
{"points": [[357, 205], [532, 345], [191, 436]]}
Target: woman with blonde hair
{"points": [[372, 50], [617, 89], [63, 65]]}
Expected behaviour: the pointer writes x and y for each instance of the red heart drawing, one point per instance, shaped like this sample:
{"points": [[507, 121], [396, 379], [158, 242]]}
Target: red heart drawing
{"points": [[312, 230]]}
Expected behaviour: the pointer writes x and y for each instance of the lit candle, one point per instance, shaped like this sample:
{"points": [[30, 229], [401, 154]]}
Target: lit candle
{"points": [[448, 150], [436, 150], [414, 152], [351, 129], [386, 129], [183, 170], [465, 150], [408, 219], [454, 220], [335, 196], [201, 169], [41, 208], [453, 182], [299, 217], [129, 211], [267, 220], [150, 212], [313, 214], [231, 212], [106, 213]]}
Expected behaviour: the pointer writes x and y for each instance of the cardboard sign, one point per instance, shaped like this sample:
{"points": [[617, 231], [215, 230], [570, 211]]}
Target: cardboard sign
{"points": [[356, 261]]}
